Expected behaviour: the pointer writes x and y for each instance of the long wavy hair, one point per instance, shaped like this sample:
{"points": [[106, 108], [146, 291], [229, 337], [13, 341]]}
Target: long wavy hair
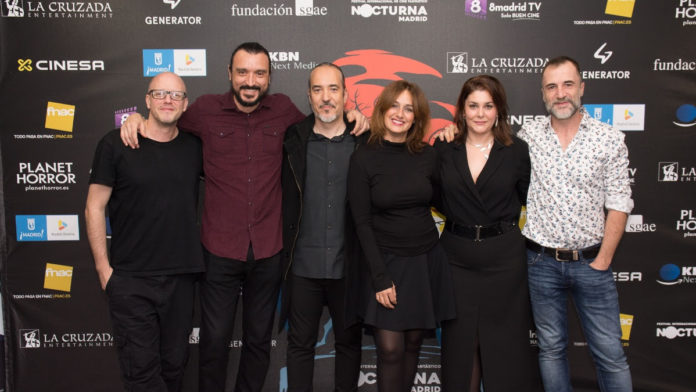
{"points": [[501, 130]]}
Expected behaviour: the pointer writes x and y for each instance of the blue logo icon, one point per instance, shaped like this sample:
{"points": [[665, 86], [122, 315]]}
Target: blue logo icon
{"points": [[686, 114], [603, 113], [156, 61], [31, 227], [669, 274]]}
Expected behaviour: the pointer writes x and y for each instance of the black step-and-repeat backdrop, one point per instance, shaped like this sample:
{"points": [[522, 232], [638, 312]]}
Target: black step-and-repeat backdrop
{"points": [[70, 71]]}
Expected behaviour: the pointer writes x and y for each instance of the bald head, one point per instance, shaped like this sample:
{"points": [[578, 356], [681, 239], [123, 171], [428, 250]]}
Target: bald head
{"points": [[166, 98]]}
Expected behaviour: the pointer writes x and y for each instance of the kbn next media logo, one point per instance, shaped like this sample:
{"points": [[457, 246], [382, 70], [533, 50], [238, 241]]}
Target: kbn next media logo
{"points": [[183, 62], [47, 228], [515, 10], [686, 116], [287, 61], [672, 274], [75, 10]]}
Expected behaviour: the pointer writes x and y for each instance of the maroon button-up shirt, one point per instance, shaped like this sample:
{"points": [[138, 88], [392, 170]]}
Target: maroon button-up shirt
{"points": [[242, 155]]}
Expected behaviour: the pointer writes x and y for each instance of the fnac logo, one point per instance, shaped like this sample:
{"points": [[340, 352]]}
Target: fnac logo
{"points": [[620, 8], [58, 277], [383, 67], [626, 325], [60, 116]]}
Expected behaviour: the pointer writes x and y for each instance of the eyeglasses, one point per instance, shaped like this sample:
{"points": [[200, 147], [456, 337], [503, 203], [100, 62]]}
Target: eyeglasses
{"points": [[161, 94]]}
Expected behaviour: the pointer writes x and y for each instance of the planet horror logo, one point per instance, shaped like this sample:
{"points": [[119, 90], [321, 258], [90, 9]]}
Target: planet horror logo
{"points": [[45, 176]]}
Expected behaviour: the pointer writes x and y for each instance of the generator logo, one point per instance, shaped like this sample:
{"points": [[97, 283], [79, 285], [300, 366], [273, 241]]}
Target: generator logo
{"points": [[687, 223], [289, 60], [57, 9], [58, 277], [369, 70], [603, 55], [623, 9], [171, 3], [686, 116], [624, 117], [672, 274], [29, 338], [45, 176], [33, 338], [183, 62], [675, 330], [60, 116], [377, 8], [121, 115], [173, 20], [47, 228], [686, 11], [635, 224], [463, 62], [514, 10], [301, 8], [626, 325], [670, 172]]}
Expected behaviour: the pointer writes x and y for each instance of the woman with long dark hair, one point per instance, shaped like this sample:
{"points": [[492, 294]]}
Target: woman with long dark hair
{"points": [[390, 189], [484, 177]]}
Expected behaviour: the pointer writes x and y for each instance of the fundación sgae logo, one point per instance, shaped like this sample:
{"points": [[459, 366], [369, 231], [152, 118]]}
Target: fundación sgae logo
{"points": [[302, 8]]}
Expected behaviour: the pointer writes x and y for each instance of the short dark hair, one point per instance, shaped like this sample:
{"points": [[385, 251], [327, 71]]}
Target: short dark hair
{"points": [[501, 129], [556, 61], [327, 64], [253, 48]]}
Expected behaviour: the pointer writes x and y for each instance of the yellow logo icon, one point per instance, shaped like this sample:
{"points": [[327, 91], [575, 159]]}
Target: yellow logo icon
{"points": [[523, 218], [58, 277], [24, 65], [626, 324], [60, 116], [620, 8]]}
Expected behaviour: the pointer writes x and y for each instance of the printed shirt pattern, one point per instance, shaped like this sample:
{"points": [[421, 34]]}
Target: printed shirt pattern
{"points": [[570, 189]]}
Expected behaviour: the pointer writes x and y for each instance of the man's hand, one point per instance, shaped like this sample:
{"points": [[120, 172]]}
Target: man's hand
{"points": [[387, 298], [104, 276], [448, 133], [600, 263], [134, 124], [362, 123]]}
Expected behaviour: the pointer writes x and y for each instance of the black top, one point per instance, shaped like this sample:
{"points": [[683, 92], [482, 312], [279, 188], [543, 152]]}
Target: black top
{"points": [[153, 203], [319, 247], [497, 195], [390, 191]]}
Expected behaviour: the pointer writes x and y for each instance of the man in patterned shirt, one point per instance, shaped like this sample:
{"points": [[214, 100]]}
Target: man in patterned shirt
{"points": [[579, 168]]}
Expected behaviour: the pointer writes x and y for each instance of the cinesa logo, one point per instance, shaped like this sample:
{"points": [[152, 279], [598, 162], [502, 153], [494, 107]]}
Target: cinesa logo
{"points": [[625, 276], [29, 65]]}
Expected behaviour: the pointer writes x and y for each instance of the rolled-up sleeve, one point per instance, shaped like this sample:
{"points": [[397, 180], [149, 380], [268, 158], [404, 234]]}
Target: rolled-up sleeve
{"points": [[617, 184]]}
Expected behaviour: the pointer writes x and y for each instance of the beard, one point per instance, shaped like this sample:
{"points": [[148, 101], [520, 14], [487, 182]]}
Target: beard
{"points": [[242, 101], [563, 114]]}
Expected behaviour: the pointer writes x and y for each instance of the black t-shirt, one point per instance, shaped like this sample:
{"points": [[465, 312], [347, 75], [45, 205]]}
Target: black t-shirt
{"points": [[153, 203], [390, 191]]}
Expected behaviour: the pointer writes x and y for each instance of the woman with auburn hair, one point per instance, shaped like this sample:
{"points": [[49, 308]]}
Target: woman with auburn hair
{"points": [[484, 176], [390, 188]]}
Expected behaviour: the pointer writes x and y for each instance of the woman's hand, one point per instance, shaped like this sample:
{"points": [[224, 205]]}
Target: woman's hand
{"points": [[387, 298]]}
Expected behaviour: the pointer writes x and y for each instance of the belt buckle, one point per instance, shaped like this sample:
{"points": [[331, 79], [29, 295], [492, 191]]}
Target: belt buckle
{"points": [[478, 233], [575, 254]]}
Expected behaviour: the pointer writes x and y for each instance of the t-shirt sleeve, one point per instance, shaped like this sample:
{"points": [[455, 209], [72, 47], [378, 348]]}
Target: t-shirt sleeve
{"points": [[361, 207], [189, 120], [104, 163]]}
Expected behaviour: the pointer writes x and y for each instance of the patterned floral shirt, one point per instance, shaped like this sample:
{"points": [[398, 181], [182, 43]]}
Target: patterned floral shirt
{"points": [[570, 189]]}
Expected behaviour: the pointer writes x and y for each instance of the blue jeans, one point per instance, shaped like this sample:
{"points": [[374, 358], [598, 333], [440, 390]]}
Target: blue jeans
{"points": [[597, 303]]}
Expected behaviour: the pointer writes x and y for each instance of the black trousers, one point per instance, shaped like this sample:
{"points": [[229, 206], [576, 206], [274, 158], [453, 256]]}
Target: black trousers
{"points": [[152, 319], [258, 282], [307, 299]]}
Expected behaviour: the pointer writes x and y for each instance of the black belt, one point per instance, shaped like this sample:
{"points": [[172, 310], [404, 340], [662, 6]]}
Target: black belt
{"points": [[479, 232], [562, 254]]}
